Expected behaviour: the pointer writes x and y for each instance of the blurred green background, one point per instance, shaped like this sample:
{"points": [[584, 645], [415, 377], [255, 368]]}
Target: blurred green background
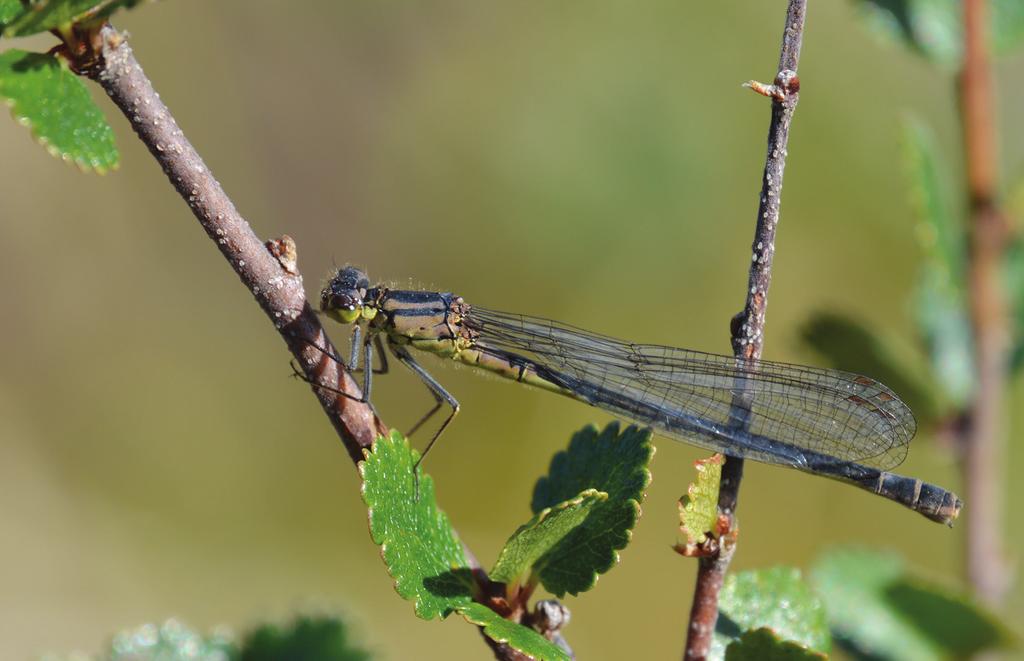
{"points": [[596, 162]]}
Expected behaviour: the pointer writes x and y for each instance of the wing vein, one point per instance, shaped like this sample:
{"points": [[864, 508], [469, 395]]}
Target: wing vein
{"points": [[688, 395]]}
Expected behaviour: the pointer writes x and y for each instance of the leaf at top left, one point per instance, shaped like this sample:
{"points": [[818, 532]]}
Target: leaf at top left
{"points": [[45, 15], [54, 104]]}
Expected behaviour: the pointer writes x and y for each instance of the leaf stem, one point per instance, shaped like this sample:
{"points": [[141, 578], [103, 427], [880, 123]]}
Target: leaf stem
{"points": [[748, 326]]}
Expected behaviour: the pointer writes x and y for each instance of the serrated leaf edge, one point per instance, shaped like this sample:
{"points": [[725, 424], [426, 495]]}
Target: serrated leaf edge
{"points": [[52, 150], [396, 437], [547, 512], [686, 502], [485, 627], [647, 434]]}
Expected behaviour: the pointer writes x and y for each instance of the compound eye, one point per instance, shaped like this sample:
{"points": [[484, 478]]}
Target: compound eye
{"points": [[345, 307], [347, 315]]}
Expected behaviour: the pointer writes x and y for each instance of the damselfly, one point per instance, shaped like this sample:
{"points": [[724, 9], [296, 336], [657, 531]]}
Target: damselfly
{"points": [[835, 424]]}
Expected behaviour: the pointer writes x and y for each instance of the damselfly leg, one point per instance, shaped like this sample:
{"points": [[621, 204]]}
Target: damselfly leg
{"points": [[436, 390], [354, 344]]}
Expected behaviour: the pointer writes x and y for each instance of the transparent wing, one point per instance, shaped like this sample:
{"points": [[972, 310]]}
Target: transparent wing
{"points": [[691, 396]]}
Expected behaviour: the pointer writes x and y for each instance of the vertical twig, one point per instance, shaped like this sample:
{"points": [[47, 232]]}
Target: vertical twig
{"points": [[748, 326], [988, 234]]}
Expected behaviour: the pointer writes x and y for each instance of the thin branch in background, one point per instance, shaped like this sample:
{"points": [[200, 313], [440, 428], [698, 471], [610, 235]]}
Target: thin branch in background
{"points": [[268, 272], [748, 326], [989, 234]]}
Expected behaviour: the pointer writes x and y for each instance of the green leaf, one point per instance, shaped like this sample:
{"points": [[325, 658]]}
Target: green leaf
{"points": [[417, 543], [927, 27], [1015, 199], [764, 645], [170, 641], [45, 15], [9, 10], [940, 299], [529, 546], [934, 28], [942, 236], [778, 599], [960, 627], [610, 462], [943, 321], [852, 584], [1013, 274], [51, 101], [1007, 25], [851, 346], [1013, 279], [522, 638], [698, 509], [878, 609], [305, 639]]}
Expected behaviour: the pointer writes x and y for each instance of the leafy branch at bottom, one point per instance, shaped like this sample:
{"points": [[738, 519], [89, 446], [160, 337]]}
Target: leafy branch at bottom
{"points": [[584, 510]]}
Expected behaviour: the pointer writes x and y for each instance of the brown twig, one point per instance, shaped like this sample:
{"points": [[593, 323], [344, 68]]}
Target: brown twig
{"points": [[268, 272], [748, 326], [989, 235], [277, 289]]}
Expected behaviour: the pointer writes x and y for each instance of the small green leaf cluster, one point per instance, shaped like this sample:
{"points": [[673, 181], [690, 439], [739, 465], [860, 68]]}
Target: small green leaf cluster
{"points": [[308, 638], [583, 514], [172, 641], [938, 382], [42, 91], [584, 511], [866, 602]]}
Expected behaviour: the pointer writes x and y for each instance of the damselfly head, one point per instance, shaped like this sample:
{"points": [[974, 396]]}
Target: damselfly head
{"points": [[342, 298]]}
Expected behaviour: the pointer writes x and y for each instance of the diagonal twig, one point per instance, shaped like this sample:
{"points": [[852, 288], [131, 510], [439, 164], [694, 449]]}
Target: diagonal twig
{"points": [[274, 281], [268, 271]]}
